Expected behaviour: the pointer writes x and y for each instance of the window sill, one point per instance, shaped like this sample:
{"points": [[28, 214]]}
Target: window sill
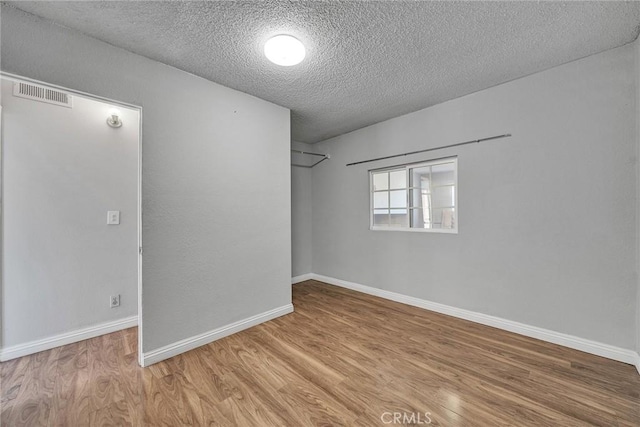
{"points": [[417, 230]]}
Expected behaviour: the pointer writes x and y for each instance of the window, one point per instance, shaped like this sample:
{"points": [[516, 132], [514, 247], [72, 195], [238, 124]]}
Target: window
{"points": [[415, 197]]}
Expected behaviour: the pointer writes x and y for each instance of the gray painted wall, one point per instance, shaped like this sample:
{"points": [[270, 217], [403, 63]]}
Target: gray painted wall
{"points": [[217, 247], [63, 169], [301, 211], [546, 218]]}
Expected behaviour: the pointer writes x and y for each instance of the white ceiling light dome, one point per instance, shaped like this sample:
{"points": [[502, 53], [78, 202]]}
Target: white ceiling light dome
{"points": [[284, 50]]}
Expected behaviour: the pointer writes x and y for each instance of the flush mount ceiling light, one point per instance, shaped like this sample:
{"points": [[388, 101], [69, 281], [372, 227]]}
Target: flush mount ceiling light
{"points": [[284, 50]]}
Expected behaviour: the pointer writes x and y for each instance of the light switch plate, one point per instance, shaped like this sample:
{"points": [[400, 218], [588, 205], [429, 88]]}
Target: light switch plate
{"points": [[113, 217]]}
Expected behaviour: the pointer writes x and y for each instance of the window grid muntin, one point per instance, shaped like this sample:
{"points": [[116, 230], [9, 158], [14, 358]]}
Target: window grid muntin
{"points": [[410, 202]]}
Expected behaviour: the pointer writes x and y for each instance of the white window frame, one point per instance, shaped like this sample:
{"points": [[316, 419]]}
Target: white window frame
{"points": [[407, 167]]}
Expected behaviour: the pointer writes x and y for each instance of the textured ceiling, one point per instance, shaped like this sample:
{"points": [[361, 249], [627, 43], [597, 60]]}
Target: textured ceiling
{"points": [[366, 61]]}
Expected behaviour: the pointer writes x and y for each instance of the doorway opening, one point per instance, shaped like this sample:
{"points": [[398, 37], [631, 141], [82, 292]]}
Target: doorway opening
{"points": [[71, 216]]}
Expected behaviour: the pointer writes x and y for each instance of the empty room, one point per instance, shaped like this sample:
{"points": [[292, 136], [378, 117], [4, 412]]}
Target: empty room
{"points": [[320, 213]]}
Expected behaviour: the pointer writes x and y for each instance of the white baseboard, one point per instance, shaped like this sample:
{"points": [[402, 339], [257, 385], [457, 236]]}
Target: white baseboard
{"points": [[15, 351], [588, 346], [301, 278], [185, 345]]}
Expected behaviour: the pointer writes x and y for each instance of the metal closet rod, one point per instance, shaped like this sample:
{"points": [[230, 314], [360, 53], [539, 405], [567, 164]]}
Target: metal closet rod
{"points": [[324, 157], [475, 141]]}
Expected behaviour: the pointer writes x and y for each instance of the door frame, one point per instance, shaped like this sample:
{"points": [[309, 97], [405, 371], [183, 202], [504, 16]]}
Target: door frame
{"points": [[15, 77]]}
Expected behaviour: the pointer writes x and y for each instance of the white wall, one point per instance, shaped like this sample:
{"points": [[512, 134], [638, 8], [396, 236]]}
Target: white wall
{"points": [[637, 114], [64, 168], [301, 211], [217, 247], [547, 231]]}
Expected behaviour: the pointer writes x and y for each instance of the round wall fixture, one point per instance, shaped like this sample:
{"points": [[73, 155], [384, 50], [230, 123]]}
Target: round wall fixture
{"points": [[284, 50], [113, 119]]}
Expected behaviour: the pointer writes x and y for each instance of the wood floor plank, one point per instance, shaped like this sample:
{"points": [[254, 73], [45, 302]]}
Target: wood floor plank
{"points": [[71, 405], [342, 359], [11, 377], [106, 385], [32, 405], [205, 377], [114, 414]]}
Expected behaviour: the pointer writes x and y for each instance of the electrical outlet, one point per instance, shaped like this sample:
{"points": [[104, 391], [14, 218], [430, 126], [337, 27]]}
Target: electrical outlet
{"points": [[114, 301]]}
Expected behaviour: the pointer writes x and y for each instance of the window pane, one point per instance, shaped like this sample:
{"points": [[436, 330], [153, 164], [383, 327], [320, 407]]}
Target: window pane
{"points": [[437, 218], [381, 181], [443, 197], [420, 176], [444, 218], [398, 179], [398, 198], [420, 198], [381, 217], [442, 174], [420, 218], [448, 218], [381, 200], [398, 218]]}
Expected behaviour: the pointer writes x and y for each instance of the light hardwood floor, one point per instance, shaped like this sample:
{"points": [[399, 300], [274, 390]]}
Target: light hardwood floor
{"points": [[342, 358]]}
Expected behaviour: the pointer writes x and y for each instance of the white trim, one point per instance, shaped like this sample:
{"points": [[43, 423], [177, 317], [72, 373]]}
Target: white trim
{"points": [[588, 346], [301, 278], [415, 230], [139, 284], [637, 149], [15, 351], [185, 345]]}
